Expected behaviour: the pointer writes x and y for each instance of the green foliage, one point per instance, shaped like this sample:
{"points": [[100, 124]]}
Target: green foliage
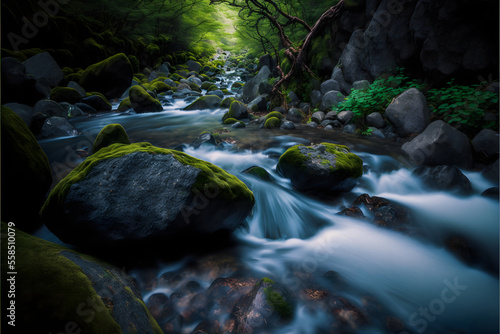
{"points": [[378, 96], [464, 105]]}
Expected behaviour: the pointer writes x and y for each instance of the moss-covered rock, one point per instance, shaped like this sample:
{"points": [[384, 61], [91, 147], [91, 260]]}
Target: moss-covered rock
{"points": [[206, 85], [105, 201], [142, 101], [237, 85], [276, 114], [110, 77], [205, 102], [125, 105], [237, 110], [65, 94], [272, 122], [97, 101], [110, 134], [226, 103], [258, 172], [323, 167], [160, 87], [26, 174], [60, 289]]}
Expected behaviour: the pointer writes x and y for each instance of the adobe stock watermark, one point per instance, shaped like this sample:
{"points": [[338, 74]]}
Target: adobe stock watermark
{"points": [[30, 28], [420, 319]]}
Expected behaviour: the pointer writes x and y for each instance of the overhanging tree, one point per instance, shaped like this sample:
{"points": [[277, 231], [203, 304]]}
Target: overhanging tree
{"points": [[283, 21]]}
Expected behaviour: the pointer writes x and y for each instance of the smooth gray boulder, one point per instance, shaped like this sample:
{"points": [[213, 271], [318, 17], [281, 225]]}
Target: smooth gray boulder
{"points": [[57, 127], [345, 116], [409, 113], [251, 88], [440, 144], [318, 117], [443, 178], [329, 85], [331, 100]]}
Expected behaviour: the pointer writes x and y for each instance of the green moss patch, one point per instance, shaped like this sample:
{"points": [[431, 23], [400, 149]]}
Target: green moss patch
{"points": [[125, 105]]}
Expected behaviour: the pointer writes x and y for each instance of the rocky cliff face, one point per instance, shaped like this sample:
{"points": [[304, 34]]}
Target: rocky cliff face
{"points": [[435, 39]]}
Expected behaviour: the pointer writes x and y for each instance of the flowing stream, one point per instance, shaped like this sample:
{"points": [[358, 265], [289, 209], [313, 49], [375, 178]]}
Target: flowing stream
{"points": [[290, 232]]}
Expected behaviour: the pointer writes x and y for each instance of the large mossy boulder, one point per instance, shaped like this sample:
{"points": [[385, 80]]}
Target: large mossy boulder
{"points": [[324, 167], [26, 174], [141, 101], [205, 102], [58, 289], [110, 134], [110, 77], [139, 194]]}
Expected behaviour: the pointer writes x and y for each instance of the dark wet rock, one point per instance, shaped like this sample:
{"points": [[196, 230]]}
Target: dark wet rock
{"points": [[26, 173], [316, 97], [267, 306], [86, 108], [258, 104], [287, 125], [104, 202], [204, 139], [409, 113], [376, 132], [491, 172], [43, 67], [238, 125], [324, 167], [318, 117], [353, 212], [331, 99], [331, 115], [313, 125], [295, 115], [77, 87], [345, 116], [444, 178], [193, 66], [224, 292], [111, 77], [55, 127], [375, 119], [386, 213], [440, 144], [17, 86], [361, 85], [329, 85], [160, 308], [251, 88], [491, 193], [486, 145], [349, 128]]}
